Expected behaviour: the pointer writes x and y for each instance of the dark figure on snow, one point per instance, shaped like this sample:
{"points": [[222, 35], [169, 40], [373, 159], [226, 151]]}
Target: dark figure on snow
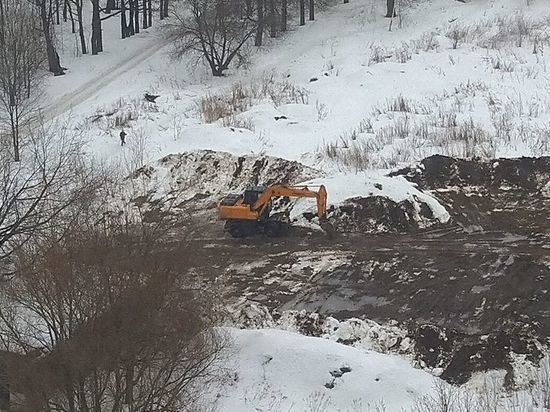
{"points": [[122, 138]]}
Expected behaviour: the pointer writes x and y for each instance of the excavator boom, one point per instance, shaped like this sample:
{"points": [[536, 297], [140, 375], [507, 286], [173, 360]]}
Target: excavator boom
{"points": [[293, 191]]}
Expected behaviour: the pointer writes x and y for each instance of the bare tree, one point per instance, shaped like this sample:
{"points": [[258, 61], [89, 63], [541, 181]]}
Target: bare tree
{"points": [[390, 8], [34, 192], [163, 9], [118, 330], [97, 36], [284, 15], [272, 19], [21, 55], [78, 6], [216, 30], [258, 39], [46, 13]]}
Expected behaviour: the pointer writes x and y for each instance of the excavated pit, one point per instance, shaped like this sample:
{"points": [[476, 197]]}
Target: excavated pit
{"points": [[481, 280]]}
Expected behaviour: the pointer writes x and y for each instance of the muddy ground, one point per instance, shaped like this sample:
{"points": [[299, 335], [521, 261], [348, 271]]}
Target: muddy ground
{"points": [[471, 292]]}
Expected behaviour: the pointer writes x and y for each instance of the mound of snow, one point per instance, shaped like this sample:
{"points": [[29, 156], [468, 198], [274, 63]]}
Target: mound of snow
{"points": [[278, 370], [373, 202]]}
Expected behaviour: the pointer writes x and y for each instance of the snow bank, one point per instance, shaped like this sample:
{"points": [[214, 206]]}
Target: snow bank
{"points": [[278, 370], [374, 183]]}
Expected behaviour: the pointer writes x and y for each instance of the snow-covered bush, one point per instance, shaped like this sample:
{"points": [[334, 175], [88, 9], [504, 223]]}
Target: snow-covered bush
{"points": [[457, 35]]}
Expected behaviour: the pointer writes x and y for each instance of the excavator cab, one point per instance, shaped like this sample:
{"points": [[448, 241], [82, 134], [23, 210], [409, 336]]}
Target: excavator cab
{"points": [[230, 199], [252, 194]]}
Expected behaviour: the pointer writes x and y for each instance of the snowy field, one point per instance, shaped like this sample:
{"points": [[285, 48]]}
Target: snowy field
{"points": [[334, 90], [275, 370]]}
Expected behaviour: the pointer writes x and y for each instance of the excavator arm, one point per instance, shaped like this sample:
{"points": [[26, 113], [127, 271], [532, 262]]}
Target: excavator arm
{"points": [[292, 191]]}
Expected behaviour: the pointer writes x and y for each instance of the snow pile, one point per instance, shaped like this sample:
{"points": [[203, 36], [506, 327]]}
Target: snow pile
{"points": [[278, 371], [359, 333], [204, 177], [347, 192]]}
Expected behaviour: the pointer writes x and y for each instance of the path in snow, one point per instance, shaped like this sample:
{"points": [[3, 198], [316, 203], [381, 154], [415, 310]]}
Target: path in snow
{"points": [[70, 100]]}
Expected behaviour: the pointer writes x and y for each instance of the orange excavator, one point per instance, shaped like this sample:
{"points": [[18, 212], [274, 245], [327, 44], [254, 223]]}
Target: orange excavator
{"points": [[250, 213]]}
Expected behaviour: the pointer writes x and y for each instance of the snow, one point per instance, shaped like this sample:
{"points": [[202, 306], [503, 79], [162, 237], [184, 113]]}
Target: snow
{"points": [[324, 81], [360, 333], [338, 56], [280, 370], [343, 186]]}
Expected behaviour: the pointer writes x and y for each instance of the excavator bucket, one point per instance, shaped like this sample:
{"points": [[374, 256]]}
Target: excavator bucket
{"points": [[328, 228]]}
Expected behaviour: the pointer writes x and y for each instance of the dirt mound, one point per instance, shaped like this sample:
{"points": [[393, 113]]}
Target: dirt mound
{"points": [[503, 194], [460, 355], [377, 214], [457, 355], [434, 172], [197, 180]]}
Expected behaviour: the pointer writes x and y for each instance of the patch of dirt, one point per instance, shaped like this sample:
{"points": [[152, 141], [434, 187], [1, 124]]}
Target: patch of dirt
{"points": [[460, 354], [378, 214], [503, 194], [184, 183]]}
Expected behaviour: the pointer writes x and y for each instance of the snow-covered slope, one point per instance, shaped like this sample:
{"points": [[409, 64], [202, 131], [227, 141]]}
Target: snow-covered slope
{"points": [[283, 371], [354, 94]]}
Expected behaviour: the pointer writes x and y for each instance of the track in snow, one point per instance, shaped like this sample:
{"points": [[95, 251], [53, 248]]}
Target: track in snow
{"points": [[68, 101]]}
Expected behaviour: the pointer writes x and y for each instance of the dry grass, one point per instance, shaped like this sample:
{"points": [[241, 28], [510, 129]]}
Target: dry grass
{"points": [[240, 98]]}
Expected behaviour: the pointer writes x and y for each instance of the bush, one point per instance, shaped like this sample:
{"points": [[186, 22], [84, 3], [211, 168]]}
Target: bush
{"points": [[102, 322], [457, 35], [239, 98]]}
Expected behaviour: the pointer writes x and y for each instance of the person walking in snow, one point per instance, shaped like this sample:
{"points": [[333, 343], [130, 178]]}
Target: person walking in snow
{"points": [[122, 137]]}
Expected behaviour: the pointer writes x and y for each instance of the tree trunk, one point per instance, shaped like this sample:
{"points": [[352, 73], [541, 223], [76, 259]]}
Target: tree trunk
{"points": [[311, 10], [136, 16], [144, 11], [272, 19], [130, 26], [65, 10], [57, 12], [150, 10], [14, 123], [302, 12], [78, 5], [166, 8], [109, 6], [73, 26], [390, 8], [258, 41], [123, 27], [129, 392], [284, 14], [97, 40], [54, 65], [161, 9]]}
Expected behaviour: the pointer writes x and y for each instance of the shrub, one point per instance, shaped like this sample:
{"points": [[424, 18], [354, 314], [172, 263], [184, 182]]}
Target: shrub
{"points": [[240, 98]]}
